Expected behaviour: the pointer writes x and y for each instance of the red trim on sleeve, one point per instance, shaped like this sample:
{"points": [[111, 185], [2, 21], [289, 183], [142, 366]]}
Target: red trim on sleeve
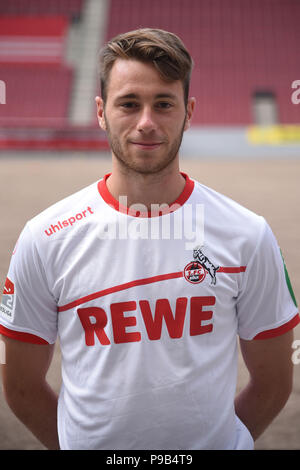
{"points": [[109, 199], [21, 336], [280, 330]]}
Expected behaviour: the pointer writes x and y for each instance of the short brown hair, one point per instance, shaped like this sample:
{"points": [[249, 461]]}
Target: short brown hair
{"points": [[161, 48]]}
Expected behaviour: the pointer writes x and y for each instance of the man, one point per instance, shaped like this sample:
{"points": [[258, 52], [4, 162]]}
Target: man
{"points": [[147, 277]]}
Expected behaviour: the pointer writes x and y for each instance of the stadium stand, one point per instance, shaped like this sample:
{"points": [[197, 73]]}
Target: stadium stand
{"points": [[38, 95], [243, 51], [39, 79], [239, 48], [32, 66], [71, 9], [32, 39]]}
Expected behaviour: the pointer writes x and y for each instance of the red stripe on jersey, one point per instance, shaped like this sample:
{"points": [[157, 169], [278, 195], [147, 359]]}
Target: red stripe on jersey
{"points": [[127, 285], [232, 269], [138, 282], [109, 199], [280, 330], [21, 336]]}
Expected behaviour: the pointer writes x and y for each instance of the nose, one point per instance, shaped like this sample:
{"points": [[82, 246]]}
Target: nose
{"points": [[146, 123]]}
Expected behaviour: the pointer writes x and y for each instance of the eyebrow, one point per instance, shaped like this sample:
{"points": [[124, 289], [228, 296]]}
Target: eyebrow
{"points": [[157, 96]]}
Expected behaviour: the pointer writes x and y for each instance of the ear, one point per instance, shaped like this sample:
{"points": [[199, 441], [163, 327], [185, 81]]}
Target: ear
{"points": [[189, 113], [100, 112]]}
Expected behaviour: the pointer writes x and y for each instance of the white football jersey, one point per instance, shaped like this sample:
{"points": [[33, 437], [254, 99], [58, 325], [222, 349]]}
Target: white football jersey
{"points": [[147, 308]]}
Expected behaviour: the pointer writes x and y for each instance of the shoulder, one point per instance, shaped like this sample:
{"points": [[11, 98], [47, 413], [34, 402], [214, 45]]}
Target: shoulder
{"points": [[230, 225], [225, 211], [65, 213]]}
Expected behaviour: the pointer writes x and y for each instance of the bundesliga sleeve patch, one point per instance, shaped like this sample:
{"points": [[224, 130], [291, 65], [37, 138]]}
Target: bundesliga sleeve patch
{"points": [[7, 305]]}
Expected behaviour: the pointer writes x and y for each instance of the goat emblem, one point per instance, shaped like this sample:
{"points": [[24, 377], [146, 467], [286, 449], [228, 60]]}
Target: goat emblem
{"points": [[206, 264]]}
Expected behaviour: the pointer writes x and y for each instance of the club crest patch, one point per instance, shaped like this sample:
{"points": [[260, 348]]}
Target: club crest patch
{"points": [[195, 271], [7, 305]]}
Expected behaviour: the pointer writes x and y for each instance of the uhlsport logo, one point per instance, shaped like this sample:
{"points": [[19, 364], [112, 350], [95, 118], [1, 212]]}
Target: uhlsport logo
{"points": [[195, 271]]}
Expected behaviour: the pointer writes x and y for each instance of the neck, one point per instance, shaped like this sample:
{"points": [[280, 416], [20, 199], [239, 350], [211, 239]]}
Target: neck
{"points": [[163, 187]]}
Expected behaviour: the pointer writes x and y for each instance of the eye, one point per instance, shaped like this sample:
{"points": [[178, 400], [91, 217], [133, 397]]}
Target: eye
{"points": [[129, 105], [164, 105]]}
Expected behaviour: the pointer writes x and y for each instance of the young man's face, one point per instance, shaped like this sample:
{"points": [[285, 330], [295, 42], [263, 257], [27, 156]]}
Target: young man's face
{"points": [[144, 116]]}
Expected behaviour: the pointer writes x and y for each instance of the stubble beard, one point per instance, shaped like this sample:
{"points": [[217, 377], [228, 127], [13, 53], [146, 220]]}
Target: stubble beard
{"points": [[147, 166]]}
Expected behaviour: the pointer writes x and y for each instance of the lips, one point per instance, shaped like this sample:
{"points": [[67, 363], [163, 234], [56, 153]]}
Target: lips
{"points": [[147, 145]]}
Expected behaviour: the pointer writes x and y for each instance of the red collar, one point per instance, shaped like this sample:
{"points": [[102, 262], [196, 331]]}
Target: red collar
{"points": [[109, 199]]}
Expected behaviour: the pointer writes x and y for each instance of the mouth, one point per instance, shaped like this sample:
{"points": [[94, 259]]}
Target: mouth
{"points": [[147, 145]]}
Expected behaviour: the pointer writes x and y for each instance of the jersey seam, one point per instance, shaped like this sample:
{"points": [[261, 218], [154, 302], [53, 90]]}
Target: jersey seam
{"points": [[251, 260], [41, 261]]}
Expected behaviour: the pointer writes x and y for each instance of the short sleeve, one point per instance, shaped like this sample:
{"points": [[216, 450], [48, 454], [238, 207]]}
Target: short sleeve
{"points": [[266, 305], [28, 310]]}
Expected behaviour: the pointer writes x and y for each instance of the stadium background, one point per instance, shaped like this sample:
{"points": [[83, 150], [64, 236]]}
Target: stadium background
{"points": [[244, 140]]}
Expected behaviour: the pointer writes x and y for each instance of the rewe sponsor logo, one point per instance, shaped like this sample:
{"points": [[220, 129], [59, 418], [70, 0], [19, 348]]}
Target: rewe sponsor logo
{"points": [[62, 224], [94, 320]]}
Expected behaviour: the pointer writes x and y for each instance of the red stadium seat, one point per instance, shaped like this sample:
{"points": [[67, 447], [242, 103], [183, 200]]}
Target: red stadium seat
{"points": [[70, 8], [32, 39], [237, 47], [36, 95], [36, 79]]}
